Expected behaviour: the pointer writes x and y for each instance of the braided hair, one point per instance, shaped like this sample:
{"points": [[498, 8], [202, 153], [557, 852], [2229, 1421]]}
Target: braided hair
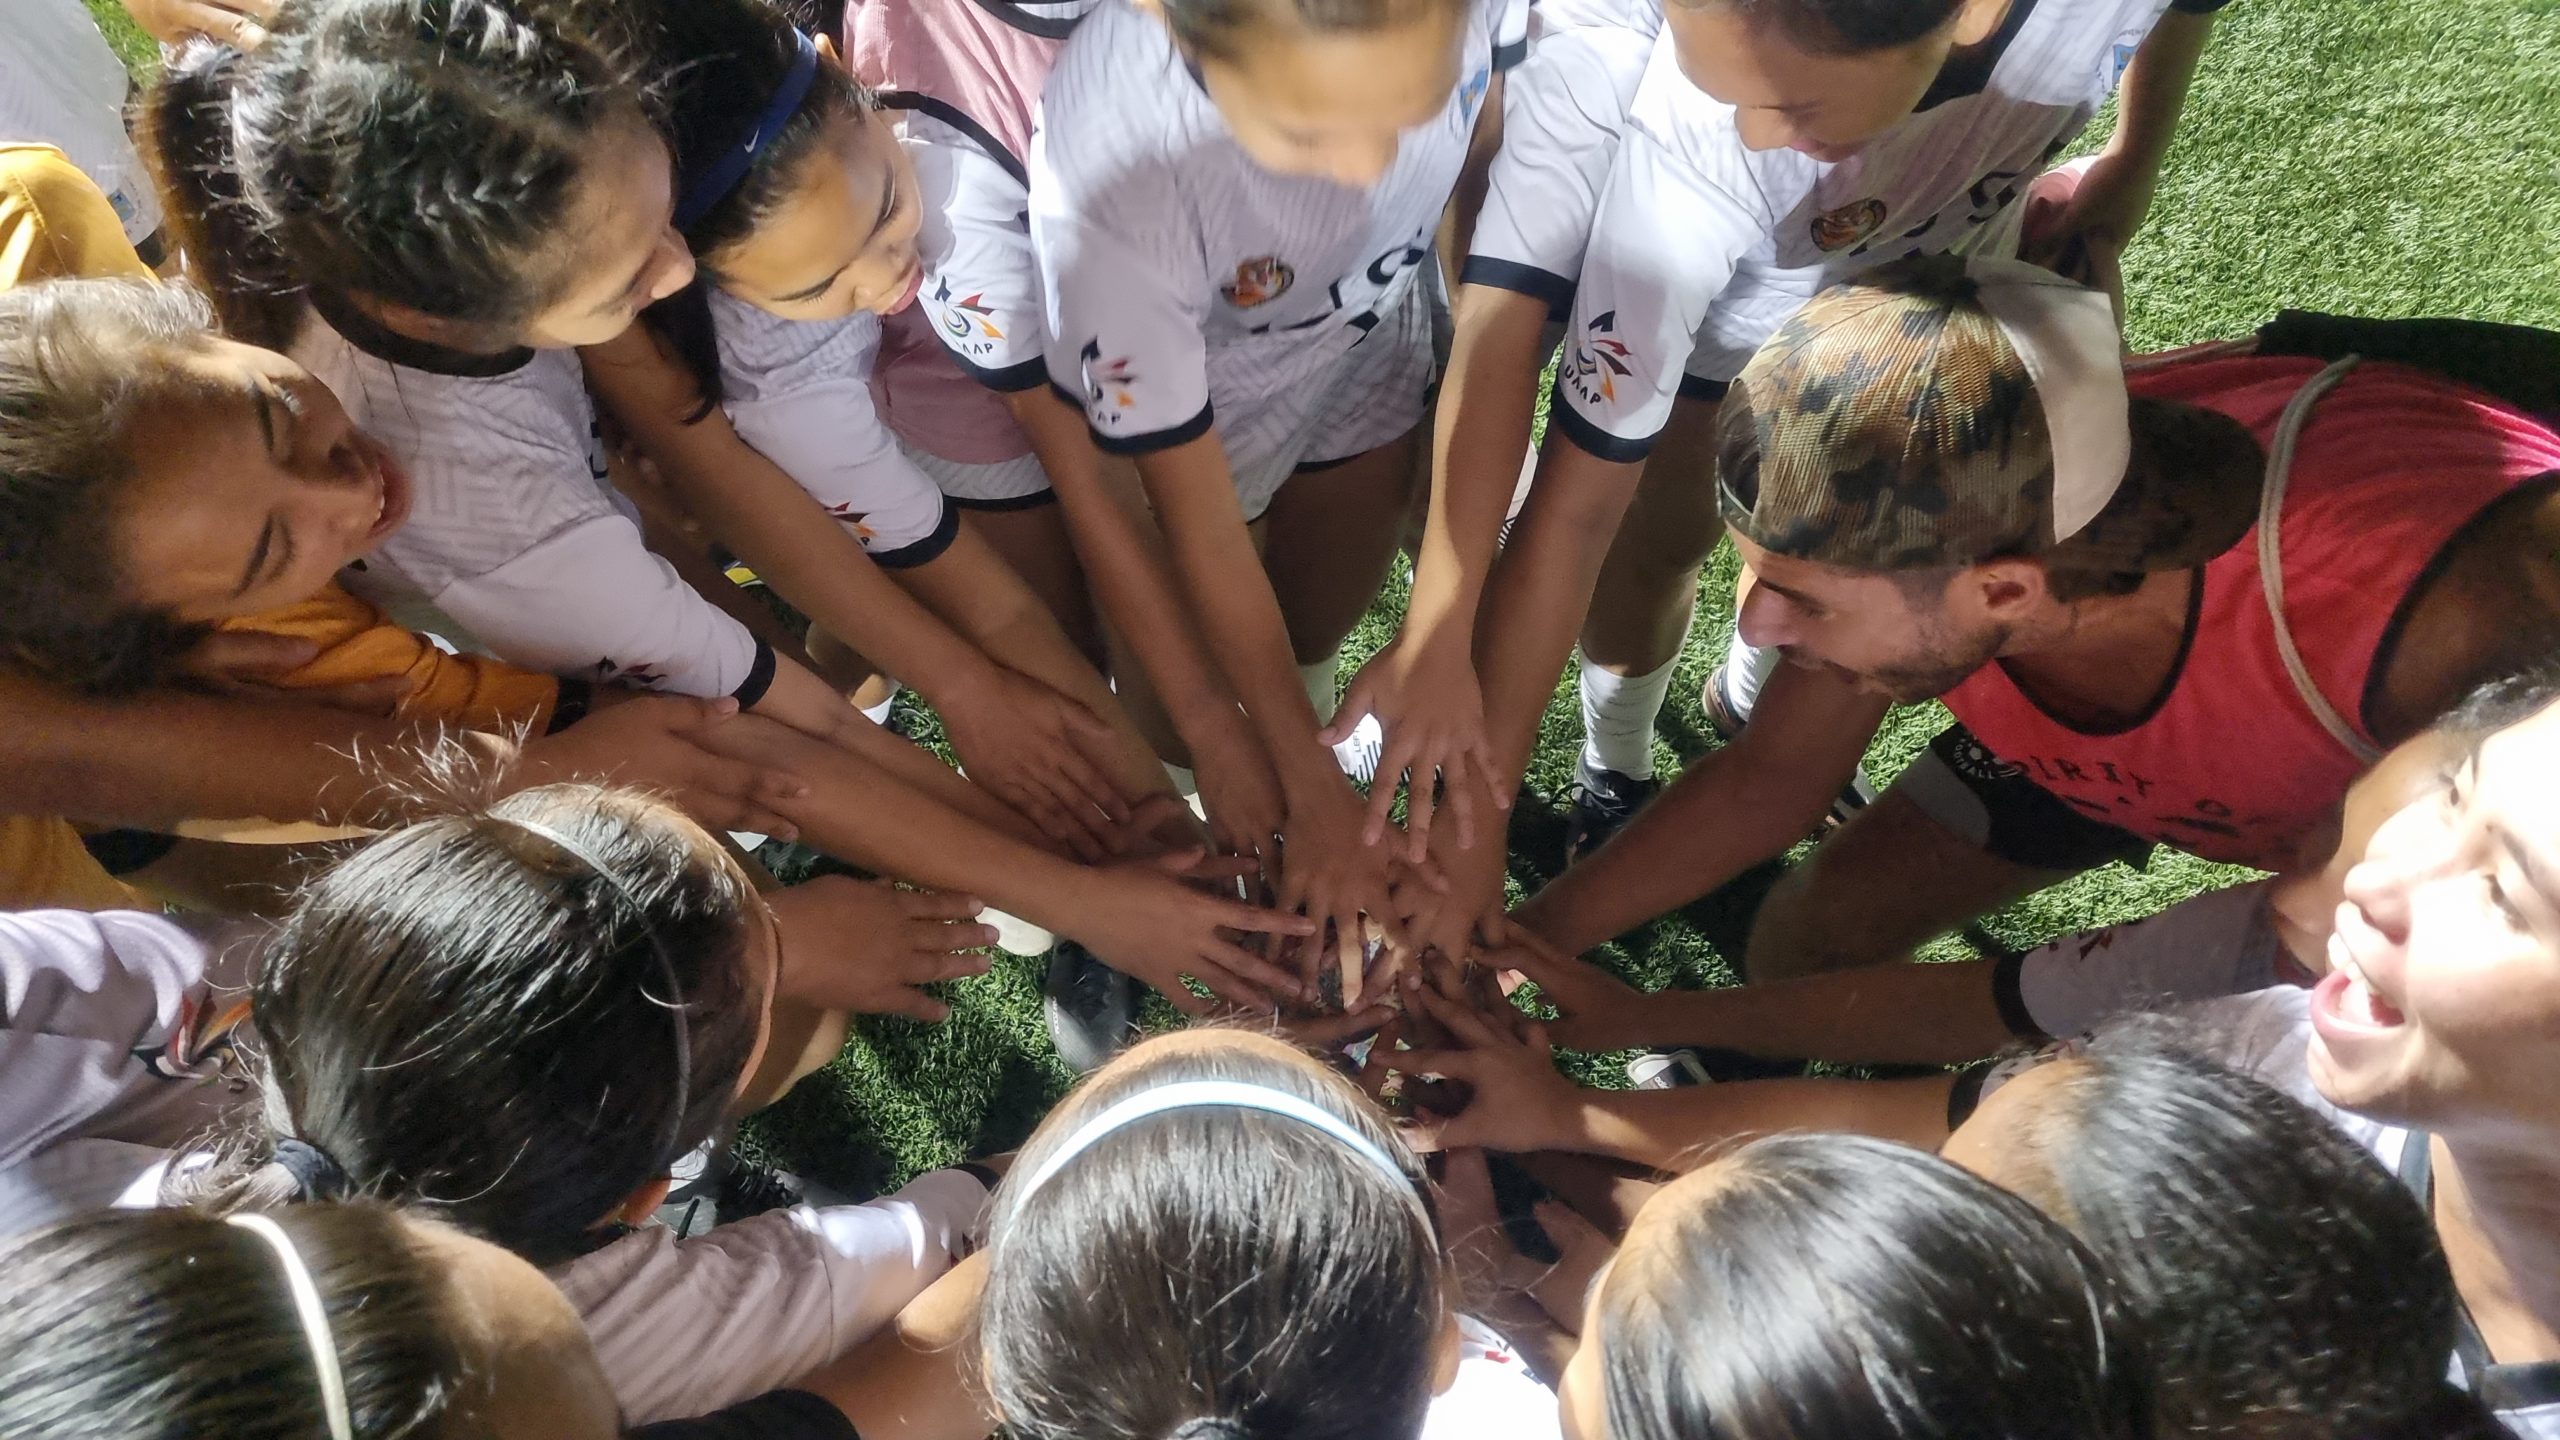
{"points": [[421, 152]]}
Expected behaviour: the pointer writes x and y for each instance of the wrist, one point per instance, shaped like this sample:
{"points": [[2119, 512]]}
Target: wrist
{"points": [[957, 687]]}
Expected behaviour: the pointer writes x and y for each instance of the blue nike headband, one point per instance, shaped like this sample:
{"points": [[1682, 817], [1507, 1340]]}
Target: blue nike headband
{"points": [[730, 165]]}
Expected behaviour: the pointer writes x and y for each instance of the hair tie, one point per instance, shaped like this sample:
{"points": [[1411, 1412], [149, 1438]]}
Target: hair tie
{"points": [[1211, 1427], [314, 1315], [1230, 1094], [314, 1172], [728, 166]]}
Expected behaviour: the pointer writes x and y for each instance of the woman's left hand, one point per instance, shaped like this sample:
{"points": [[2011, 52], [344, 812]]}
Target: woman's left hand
{"points": [[867, 947], [1041, 753]]}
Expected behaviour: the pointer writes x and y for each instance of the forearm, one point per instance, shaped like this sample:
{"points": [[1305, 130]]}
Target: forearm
{"points": [[872, 807], [973, 590], [1708, 826], [2155, 92], [157, 759], [1540, 591], [1487, 406], [764, 516], [1908, 1014], [1223, 583], [1132, 578], [1729, 810], [915, 1380], [1679, 1130]]}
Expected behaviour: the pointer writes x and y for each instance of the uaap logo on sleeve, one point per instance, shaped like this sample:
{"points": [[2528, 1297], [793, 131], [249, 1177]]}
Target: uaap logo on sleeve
{"points": [[1259, 282], [1837, 230], [2119, 57], [1599, 358], [1108, 385], [1471, 95], [969, 318], [201, 1045]]}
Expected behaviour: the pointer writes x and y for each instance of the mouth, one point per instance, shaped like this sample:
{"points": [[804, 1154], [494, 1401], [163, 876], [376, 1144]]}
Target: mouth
{"points": [[907, 292], [392, 492], [2346, 1005]]}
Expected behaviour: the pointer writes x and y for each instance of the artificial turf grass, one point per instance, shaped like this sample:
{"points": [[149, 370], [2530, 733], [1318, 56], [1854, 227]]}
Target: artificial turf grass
{"points": [[2350, 155]]}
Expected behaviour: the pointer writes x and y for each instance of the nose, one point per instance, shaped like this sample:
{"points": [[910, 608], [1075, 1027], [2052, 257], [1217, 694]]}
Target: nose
{"points": [[2379, 890], [674, 260], [1764, 620]]}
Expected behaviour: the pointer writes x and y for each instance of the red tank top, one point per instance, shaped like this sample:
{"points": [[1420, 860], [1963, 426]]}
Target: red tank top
{"points": [[2231, 764]]}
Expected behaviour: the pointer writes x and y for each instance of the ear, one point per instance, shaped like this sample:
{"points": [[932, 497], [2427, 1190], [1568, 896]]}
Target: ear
{"points": [[1977, 21], [644, 1202], [1444, 1364], [827, 51], [2004, 590]]}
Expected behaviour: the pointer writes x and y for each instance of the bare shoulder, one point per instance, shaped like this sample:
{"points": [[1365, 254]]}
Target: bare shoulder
{"points": [[2488, 606]]}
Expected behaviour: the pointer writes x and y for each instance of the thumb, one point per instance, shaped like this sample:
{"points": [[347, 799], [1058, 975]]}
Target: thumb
{"points": [[1358, 702]]}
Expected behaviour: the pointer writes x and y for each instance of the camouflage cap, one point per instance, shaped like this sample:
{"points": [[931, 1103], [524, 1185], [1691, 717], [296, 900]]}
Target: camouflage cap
{"points": [[1944, 411]]}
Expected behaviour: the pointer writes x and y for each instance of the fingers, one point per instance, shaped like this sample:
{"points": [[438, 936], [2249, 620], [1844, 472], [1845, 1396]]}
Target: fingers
{"points": [[1237, 915], [1460, 1021], [1246, 974], [938, 905], [1382, 793], [1325, 1032], [1479, 757], [915, 1005], [959, 966], [937, 938], [1359, 700], [690, 711]]}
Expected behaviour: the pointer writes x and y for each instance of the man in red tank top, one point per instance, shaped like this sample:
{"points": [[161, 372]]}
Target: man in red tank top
{"points": [[1947, 484]]}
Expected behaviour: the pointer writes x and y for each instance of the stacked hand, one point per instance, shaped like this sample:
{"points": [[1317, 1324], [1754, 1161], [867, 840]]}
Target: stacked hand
{"points": [[240, 23], [1431, 709], [1041, 753], [868, 947]]}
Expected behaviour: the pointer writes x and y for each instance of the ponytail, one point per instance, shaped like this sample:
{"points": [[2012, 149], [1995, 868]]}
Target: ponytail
{"points": [[230, 256]]}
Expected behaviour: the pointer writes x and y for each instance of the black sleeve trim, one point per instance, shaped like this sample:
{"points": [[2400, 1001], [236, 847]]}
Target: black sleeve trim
{"points": [[1561, 415], [2010, 995], [1033, 501], [958, 119], [121, 852], [1506, 57], [759, 678], [153, 248], [979, 1173], [576, 698], [1519, 279], [2197, 7], [1031, 374], [1699, 387], [946, 529], [1182, 434], [1966, 1096]]}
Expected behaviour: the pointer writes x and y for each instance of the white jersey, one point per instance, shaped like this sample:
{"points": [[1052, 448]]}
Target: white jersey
{"points": [[799, 391], [1187, 287], [116, 1048], [686, 1326], [1562, 112], [1701, 244], [1494, 1397], [516, 542], [61, 85]]}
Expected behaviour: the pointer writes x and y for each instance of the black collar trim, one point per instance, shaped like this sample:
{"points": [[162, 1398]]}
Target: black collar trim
{"points": [[407, 351]]}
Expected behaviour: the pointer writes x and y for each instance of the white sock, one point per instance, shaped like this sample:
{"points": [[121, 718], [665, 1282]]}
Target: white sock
{"points": [[1318, 678], [1617, 718], [879, 714], [1746, 668]]}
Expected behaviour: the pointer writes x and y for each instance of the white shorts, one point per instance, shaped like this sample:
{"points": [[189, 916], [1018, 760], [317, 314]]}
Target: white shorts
{"points": [[1016, 484], [1375, 394]]}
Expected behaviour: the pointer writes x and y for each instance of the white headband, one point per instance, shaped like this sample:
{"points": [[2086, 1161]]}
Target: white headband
{"points": [[315, 1322], [1230, 1094]]}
